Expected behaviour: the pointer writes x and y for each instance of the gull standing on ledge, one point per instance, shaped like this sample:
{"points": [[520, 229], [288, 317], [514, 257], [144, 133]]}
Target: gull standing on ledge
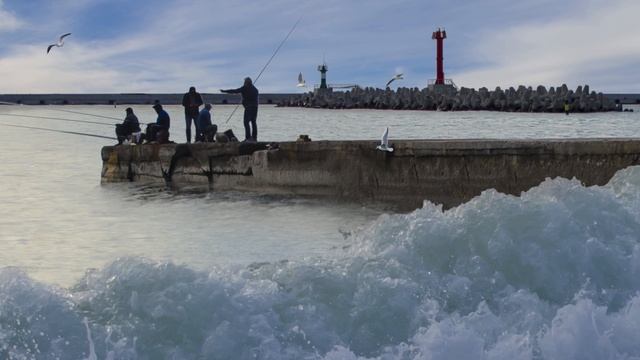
{"points": [[397, 77], [301, 82], [60, 42], [384, 142]]}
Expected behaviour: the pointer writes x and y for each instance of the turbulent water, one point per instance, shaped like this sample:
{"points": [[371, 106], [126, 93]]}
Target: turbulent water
{"points": [[552, 274]]}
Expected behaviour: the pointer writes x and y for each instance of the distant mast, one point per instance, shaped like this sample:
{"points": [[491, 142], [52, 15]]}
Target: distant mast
{"points": [[323, 75], [439, 37]]}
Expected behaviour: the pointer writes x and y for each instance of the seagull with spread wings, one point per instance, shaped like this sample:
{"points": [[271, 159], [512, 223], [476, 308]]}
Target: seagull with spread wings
{"points": [[397, 77], [60, 42]]}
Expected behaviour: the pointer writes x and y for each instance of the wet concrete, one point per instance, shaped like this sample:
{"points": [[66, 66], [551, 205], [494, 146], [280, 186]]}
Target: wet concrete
{"points": [[448, 172]]}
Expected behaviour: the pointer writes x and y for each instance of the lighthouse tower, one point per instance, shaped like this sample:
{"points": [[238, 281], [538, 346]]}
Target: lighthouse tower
{"points": [[323, 75], [440, 83], [439, 37]]}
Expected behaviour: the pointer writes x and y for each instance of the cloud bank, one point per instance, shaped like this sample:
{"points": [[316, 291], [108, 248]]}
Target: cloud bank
{"points": [[594, 44], [8, 21], [166, 46]]}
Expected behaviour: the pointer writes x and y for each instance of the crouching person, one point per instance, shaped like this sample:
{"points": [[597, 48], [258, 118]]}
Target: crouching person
{"points": [[206, 129], [161, 126], [129, 129]]}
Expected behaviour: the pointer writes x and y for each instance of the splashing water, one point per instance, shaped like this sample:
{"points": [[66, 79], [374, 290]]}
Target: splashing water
{"points": [[92, 346], [552, 274]]}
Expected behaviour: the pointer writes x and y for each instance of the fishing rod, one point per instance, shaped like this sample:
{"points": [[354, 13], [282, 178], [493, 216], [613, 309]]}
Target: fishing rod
{"points": [[60, 131], [67, 111], [269, 62], [57, 119], [82, 113]]}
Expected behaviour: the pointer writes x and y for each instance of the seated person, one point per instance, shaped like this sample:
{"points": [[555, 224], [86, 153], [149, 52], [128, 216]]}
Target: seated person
{"points": [[206, 130], [129, 126], [163, 122]]}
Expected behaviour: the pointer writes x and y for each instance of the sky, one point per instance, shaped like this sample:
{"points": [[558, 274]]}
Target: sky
{"points": [[124, 46]]}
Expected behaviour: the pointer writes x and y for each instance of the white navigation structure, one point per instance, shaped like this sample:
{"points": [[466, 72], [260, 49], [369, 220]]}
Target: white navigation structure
{"points": [[384, 142], [60, 42], [301, 82], [397, 77]]}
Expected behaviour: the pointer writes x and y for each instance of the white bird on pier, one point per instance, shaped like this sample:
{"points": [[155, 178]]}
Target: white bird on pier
{"points": [[384, 142], [301, 82], [60, 42], [397, 77]]}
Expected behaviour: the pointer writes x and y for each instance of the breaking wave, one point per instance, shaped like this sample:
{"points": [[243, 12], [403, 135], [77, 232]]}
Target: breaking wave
{"points": [[552, 274]]}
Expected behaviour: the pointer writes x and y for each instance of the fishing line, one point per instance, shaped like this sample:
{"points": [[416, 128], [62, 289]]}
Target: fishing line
{"points": [[268, 62], [59, 131], [57, 119]]}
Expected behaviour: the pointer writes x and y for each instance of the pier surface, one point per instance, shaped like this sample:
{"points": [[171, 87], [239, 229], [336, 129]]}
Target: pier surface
{"points": [[448, 172]]}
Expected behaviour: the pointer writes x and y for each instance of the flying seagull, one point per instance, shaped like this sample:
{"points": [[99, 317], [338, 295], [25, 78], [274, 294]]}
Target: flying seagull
{"points": [[397, 77], [301, 82], [384, 142], [60, 42]]}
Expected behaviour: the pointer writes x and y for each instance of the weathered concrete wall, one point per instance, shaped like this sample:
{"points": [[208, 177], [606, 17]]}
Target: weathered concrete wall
{"points": [[449, 172]]}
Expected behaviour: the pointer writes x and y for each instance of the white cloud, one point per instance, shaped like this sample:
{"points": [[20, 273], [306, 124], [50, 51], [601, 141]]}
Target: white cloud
{"points": [[599, 38], [8, 21], [213, 44], [79, 68]]}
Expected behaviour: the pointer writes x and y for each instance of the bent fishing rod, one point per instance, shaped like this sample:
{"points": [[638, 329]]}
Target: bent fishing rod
{"points": [[67, 111], [60, 131], [269, 62], [57, 119]]}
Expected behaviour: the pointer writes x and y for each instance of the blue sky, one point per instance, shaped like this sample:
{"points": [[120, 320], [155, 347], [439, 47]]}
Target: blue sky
{"points": [[166, 46]]}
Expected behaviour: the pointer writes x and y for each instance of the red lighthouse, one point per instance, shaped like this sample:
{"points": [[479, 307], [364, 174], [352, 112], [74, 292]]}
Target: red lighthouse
{"points": [[439, 37]]}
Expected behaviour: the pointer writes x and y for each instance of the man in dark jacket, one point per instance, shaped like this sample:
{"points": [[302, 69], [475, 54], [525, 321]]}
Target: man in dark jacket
{"points": [[191, 102], [129, 126], [250, 103]]}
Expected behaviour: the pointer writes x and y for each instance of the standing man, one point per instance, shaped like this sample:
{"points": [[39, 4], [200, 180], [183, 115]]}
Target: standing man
{"points": [[191, 102], [250, 104]]}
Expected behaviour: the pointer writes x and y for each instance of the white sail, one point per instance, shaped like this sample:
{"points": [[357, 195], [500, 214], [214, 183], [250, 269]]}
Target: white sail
{"points": [[301, 82]]}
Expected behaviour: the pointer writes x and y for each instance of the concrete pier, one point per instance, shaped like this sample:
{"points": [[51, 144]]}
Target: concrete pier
{"points": [[448, 172]]}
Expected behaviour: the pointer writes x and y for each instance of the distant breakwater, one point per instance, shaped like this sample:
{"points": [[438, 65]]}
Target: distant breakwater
{"points": [[131, 98], [522, 99]]}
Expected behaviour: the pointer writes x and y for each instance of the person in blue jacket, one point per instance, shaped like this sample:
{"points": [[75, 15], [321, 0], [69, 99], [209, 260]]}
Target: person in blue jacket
{"points": [[162, 124], [206, 129], [163, 119]]}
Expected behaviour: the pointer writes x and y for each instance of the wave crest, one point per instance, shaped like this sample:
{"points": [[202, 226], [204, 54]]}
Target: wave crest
{"points": [[554, 273]]}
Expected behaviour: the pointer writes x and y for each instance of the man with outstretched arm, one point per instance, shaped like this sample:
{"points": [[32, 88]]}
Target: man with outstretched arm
{"points": [[250, 104]]}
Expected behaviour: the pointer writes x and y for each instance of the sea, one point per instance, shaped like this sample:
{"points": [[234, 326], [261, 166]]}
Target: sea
{"points": [[124, 271]]}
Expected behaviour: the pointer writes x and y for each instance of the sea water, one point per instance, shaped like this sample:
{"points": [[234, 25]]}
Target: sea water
{"points": [[127, 272]]}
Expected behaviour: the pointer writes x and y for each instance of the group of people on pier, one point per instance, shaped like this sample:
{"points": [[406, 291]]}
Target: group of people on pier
{"points": [[129, 130]]}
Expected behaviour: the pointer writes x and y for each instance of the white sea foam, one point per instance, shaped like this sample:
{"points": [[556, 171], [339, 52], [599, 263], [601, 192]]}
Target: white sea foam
{"points": [[553, 274]]}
